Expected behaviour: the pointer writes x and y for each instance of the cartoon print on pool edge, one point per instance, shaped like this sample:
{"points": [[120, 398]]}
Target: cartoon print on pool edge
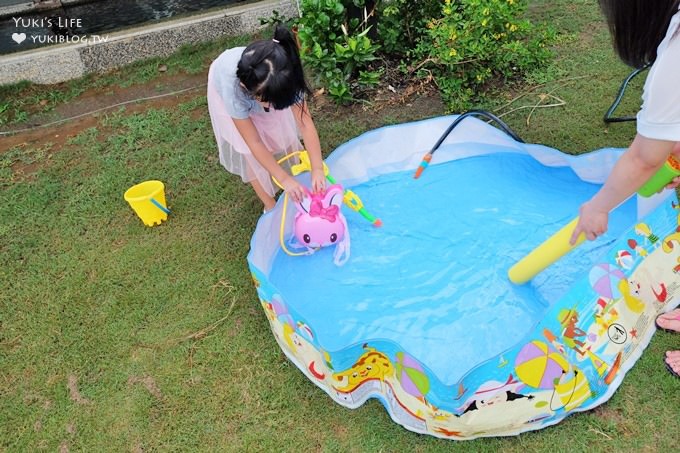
{"points": [[653, 289], [642, 229], [637, 248], [668, 242], [669, 245], [296, 337], [372, 364], [412, 377], [629, 294], [268, 309], [570, 332], [570, 389], [605, 315], [609, 281], [497, 406], [624, 259], [256, 281], [540, 366], [493, 393], [677, 208]]}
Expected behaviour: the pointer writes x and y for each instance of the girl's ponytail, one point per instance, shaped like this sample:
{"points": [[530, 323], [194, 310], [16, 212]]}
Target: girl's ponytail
{"points": [[271, 70], [285, 39]]}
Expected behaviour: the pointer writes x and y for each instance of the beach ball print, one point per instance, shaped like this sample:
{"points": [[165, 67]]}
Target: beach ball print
{"points": [[539, 365], [624, 259], [411, 376], [605, 278], [281, 311]]}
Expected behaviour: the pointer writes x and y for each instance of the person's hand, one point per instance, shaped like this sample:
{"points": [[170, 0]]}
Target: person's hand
{"points": [[675, 153], [592, 222], [294, 189], [674, 183], [318, 180]]}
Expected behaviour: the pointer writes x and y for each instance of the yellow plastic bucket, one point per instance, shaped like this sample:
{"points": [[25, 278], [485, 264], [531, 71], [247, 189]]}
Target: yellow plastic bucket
{"points": [[147, 199]]}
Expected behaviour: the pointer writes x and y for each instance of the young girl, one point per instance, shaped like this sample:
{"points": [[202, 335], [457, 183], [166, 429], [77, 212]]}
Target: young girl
{"points": [[256, 100], [643, 31]]}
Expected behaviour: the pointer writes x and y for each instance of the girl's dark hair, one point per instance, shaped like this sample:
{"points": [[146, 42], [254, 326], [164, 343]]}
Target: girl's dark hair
{"points": [[638, 27], [272, 71]]}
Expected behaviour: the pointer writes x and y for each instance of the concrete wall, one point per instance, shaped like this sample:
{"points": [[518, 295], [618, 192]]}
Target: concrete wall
{"points": [[62, 62], [9, 8], [4, 3]]}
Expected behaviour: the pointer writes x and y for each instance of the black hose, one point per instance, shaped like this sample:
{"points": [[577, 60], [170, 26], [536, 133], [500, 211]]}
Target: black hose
{"points": [[622, 89], [504, 127]]}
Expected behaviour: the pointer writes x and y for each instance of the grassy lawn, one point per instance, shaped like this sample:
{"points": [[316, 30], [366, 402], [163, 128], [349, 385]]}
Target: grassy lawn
{"points": [[119, 337]]}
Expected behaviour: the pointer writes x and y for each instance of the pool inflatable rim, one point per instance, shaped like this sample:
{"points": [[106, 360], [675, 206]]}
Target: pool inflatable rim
{"points": [[343, 165]]}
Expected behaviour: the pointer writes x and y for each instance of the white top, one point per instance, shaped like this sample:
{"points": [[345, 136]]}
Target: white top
{"points": [[237, 101], [659, 117]]}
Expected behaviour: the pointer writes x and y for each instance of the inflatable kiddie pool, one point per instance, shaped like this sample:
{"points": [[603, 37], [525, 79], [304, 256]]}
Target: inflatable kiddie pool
{"points": [[423, 317]]}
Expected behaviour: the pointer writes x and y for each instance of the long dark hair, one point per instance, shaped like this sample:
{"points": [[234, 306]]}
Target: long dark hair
{"points": [[638, 27], [271, 70]]}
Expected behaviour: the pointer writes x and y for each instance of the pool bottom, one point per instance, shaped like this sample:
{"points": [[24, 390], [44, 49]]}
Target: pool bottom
{"points": [[433, 278]]}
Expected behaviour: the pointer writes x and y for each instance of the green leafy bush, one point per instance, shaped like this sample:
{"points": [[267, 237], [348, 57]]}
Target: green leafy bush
{"points": [[403, 23], [474, 42], [336, 47], [465, 45]]}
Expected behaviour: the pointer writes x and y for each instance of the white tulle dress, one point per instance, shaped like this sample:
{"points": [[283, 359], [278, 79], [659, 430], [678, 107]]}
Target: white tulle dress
{"points": [[227, 100]]}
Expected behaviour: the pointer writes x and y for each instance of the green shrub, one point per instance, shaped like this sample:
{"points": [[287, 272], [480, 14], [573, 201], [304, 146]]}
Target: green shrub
{"points": [[336, 47], [477, 41], [465, 44], [403, 23]]}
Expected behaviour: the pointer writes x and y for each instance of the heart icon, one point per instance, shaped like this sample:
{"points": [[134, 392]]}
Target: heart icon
{"points": [[19, 37]]}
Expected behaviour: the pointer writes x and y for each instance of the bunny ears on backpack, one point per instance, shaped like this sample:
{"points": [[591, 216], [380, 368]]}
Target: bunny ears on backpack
{"points": [[319, 222]]}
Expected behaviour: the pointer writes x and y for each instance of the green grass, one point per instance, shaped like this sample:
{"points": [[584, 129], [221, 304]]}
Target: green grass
{"points": [[90, 294], [22, 100], [585, 76]]}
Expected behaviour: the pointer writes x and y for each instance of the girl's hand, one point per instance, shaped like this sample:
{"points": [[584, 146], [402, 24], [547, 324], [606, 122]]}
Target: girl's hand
{"points": [[592, 222], [294, 189], [318, 181]]}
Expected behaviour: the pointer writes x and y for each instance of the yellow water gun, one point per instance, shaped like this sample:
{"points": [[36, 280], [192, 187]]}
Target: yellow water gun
{"points": [[556, 246]]}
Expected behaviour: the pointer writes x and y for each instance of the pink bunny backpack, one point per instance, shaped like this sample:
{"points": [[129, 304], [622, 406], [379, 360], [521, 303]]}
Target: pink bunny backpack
{"points": [[319, 223]]}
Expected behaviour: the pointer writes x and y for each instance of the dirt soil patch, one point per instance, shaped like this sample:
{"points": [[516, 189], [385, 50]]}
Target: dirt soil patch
{"points": [[399, 99], [83, 111]]}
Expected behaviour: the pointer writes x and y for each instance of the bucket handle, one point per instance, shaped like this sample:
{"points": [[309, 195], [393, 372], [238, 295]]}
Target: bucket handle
{"points": [[159, 206]]}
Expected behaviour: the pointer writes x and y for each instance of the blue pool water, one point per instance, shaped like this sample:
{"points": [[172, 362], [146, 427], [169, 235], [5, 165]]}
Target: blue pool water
{"points": [[433, 279]]}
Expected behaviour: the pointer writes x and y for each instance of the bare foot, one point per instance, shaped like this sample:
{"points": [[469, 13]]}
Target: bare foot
{"points": [[670, 320], [673, 362]]}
